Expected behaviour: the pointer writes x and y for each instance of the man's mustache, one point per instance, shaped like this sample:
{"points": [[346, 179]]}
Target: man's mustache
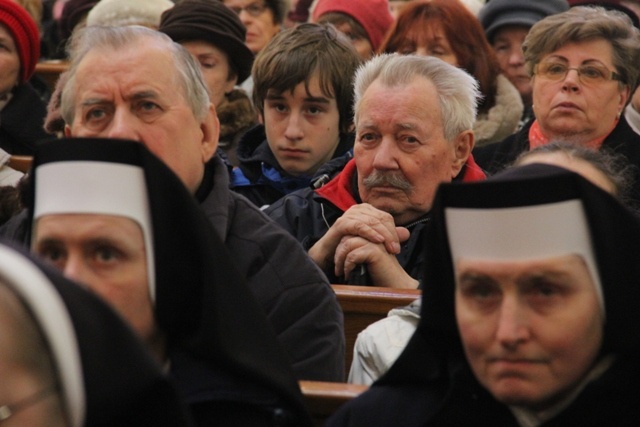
{"points": [[387, 179]]}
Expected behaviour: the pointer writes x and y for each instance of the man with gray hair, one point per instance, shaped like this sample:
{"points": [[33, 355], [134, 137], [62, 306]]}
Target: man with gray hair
{"points": [[413, 118], [135, 83]]}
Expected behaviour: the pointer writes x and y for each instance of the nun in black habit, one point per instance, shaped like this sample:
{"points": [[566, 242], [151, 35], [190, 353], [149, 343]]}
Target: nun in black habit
{"points": [[80, 363], [218, 345], [517, 218]]}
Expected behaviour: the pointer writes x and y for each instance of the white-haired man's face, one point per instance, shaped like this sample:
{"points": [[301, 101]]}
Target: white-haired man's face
{"points": [[134, 93], [401, 153]]}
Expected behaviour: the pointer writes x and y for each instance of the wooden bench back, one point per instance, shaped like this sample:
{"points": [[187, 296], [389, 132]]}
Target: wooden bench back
{"points": [[50, 71], [324, 398], [21, 163], [363, 305]]}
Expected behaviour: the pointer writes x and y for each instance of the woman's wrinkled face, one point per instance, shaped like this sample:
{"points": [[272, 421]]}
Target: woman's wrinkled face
{"points": [[531, 330], [428, 40], [9, 62], [214, 64], [572, 108], [29, 380], [507, 44], [258, 19]]}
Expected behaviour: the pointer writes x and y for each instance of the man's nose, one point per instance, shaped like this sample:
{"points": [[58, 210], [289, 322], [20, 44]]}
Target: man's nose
{"points": [[122, 126], [385, 156]]}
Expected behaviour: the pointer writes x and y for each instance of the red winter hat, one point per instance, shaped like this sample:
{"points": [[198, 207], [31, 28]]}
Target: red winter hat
{"points": [[373, 15], [25, 35]]}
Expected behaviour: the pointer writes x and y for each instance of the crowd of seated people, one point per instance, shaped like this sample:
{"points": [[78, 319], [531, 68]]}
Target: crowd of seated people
{"points": [[202, 171]]}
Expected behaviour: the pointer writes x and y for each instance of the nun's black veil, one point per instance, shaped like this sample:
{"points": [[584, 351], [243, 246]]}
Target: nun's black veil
{"points": [[420, 381], [202, 303], [123, 385], [615, 233]]}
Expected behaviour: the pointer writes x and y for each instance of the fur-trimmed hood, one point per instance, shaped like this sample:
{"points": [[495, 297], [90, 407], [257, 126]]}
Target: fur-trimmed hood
{"points": [[236, 116], [503, 118]]}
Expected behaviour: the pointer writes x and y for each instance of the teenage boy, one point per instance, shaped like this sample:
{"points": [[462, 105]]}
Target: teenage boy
{"points": [[303, 93]]}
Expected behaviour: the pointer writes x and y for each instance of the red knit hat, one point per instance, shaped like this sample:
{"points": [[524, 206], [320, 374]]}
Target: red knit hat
{"points": [[25, 35], [373, 15]]}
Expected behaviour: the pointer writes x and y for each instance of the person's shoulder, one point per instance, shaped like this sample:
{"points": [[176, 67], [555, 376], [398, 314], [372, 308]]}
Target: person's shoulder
{"points": [[15, 229], [404, 405], [299, 199], [496, 156], [254, 227]]}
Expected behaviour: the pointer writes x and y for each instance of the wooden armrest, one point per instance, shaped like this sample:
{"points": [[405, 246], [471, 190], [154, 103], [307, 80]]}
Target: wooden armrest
{"points": [[324, 398], [373, 299], [21, 163]]}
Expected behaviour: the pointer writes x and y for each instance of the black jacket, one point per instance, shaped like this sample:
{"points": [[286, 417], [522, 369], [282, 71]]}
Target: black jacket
{"points": [[431, 383], [22, 122], [623, 140], [294, 293], [292, 290], [307, 214], [259, 176]]}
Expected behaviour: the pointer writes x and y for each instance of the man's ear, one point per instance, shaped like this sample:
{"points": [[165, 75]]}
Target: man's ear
{"points": [[462, 146], [210, 128], [67, 131]]}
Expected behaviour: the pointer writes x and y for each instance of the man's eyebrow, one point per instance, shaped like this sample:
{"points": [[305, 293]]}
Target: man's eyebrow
{"points": [[93, 101], [145, 94], [406, 126]]}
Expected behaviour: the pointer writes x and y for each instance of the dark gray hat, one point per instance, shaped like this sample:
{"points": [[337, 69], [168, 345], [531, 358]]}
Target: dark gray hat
{"points": [[498, 13], [280, 8], [213, 22]]}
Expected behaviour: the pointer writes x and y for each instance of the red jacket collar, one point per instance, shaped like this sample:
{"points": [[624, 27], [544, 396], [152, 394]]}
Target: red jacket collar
{"points": [[339, 192]]}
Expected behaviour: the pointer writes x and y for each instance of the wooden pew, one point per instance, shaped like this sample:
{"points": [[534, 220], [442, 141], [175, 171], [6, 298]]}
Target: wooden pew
{"points": [[363, 305], [21, 163], [49, 71], [324, 398]]}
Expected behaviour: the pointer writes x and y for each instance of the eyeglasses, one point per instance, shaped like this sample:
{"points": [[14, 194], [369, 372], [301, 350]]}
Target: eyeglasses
{"points": [[6, 411], [588, 73], [254, 9]]}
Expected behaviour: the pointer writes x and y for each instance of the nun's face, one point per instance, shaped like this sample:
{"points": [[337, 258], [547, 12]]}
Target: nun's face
{"points": [[531, 330], [26, 368], [107, 254]]}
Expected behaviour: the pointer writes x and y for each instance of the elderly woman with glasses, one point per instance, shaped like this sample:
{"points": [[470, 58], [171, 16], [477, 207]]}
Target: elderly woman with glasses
{"points": [[263, 19], [584, 66]]}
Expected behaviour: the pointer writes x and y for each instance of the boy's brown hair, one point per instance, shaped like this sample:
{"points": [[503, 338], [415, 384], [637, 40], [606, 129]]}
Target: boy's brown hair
{"points": [[296, 55]]}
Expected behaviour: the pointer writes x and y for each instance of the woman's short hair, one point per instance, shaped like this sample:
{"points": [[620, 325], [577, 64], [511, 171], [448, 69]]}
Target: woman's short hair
{"points": [[464, 33], [615, 167], [585, 23]]}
